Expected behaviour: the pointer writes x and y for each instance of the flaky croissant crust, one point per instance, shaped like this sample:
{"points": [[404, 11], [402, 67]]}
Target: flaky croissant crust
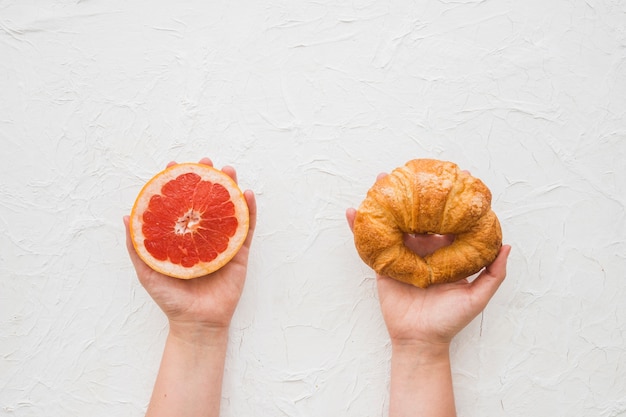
{"points": [[427, 196]]}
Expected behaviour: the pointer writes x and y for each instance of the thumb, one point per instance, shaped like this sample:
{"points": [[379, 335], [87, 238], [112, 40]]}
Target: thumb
{"points": [[350, 215], [489, 280]]}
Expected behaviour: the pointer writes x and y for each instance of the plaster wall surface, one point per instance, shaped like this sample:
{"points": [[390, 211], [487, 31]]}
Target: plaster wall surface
{"points": [[310, 100]]}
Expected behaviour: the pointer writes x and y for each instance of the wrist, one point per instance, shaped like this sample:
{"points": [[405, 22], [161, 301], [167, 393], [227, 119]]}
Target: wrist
{"points": [[420, 351], [198, 334]]}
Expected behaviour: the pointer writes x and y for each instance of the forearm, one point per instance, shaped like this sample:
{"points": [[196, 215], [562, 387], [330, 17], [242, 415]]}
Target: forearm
{"points": [[189, 382], [421, 382]]}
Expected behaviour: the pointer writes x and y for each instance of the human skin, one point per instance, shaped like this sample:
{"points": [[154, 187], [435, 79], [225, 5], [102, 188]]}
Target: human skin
{"points": [[421, 324], [199, 312]]}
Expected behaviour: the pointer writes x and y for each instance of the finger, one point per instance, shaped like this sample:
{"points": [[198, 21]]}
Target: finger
{"points": [[498, 266], [171, 164], [350, 215], [381, 176], [488, 281], [206, 161], [230, 171], [252, 210], [129, 244]]}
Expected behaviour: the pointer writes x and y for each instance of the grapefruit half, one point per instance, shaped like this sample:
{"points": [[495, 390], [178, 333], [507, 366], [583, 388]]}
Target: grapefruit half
{"points": [[189, 220]]}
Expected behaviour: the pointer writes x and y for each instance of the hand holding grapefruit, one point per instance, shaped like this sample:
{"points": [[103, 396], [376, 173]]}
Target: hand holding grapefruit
{"points": [[208, 300]]}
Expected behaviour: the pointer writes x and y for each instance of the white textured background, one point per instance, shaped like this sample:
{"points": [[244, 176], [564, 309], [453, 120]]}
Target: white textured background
{"points": [[309, 100]]}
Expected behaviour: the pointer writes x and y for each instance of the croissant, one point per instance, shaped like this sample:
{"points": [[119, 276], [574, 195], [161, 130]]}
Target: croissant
{"points": [[427, 196]]}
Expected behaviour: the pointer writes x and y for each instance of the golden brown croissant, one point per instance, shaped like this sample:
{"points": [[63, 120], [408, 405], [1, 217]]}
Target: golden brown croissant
{"points": [[427, 196]]}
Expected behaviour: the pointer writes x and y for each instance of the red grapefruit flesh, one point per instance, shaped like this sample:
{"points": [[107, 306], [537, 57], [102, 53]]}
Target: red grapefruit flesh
{"points": [[189, 220]]}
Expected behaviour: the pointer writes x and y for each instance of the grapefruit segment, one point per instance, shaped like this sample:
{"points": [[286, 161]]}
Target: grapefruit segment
{"points": [[189, 220]]}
